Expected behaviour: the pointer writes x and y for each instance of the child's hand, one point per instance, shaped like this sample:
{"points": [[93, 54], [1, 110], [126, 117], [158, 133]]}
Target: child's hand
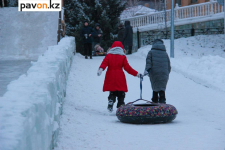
{"points": [[145, 73], [99, 71], [138, 75]]}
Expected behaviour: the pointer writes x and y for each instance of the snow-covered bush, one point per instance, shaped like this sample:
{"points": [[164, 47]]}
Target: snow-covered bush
{"points": [[30, 109]]}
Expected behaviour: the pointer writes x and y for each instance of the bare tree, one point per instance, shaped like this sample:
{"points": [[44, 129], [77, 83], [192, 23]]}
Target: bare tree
{"points": [[131, 3], [132, 7]]}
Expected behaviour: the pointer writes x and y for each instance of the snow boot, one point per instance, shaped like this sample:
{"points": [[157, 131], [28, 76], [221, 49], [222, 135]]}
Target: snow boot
{"points": [[86, 57], [121, 96], [162, 97], [91, 57], [110, 105], [112, 100], [119, 104], [155, 98]]}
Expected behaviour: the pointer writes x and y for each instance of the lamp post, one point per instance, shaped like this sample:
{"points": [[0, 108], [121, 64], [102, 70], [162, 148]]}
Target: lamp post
{"points": [[222, 3], [165, 17], [172, 30]]}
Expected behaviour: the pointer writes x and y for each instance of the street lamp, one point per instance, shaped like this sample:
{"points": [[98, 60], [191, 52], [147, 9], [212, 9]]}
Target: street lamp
{"points": [[172, 30]]}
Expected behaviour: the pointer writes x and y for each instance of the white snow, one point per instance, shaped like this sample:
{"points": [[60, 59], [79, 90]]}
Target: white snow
{"points": [[201, 58], [26, 35], [11, 70], [86, 123], [30, 109], [136, 11], [23, 37]]}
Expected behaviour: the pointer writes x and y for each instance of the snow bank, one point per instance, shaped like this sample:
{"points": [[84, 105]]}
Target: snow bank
{"points": [[30, 109], [26, 35], [200, 58]]}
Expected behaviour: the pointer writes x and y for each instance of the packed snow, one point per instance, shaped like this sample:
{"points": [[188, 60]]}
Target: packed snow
{"points": [[24, 36], [86, 123], [32, 105], [11, 70]]}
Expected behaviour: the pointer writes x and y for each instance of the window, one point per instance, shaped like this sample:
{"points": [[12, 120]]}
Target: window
{"points": [[194, 1]]}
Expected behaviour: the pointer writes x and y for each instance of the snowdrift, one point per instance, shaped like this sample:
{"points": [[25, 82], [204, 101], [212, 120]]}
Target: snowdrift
{"points": [[30, 109]]}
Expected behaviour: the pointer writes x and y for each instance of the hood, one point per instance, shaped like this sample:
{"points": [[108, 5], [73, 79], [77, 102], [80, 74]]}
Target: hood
{"points": [[97, 24], [117, 48], [85, 21], [127, 23], [158, 44], [117, 44]]}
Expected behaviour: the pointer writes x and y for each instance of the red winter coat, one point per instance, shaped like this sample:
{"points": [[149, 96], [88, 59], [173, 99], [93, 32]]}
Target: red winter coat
{"points": [[116, 61]]}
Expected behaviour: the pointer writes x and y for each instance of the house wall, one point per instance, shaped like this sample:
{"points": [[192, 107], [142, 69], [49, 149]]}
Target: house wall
{"points": [[185, 2]]}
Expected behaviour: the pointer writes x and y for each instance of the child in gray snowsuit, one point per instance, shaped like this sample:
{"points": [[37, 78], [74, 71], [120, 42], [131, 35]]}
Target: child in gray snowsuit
{"points": [[158, 67]]}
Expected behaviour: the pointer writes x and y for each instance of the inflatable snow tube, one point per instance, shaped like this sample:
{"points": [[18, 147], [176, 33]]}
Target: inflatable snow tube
{"points": [[146, 113]]}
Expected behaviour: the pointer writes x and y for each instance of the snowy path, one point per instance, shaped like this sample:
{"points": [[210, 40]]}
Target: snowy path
{"points": [[86, 124]]}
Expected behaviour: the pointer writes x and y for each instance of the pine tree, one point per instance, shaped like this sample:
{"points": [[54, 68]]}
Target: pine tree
{"points": [[109, 19], [104, 12], [74, 17]]}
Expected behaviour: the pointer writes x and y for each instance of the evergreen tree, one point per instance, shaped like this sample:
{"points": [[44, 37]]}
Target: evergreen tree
{"points": [[74, 17], [110, 11], [104, 12], [11, 3]]}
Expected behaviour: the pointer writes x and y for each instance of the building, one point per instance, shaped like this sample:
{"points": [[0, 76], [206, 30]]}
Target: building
{"points": [[160, 4], [182, 3]]}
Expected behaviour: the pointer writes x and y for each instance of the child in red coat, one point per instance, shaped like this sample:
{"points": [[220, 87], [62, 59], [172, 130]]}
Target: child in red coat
{"points": [[115, 80]]}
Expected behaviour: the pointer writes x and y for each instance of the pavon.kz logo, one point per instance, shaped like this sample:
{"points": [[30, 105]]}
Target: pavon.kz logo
{"points": [[39, 5]]}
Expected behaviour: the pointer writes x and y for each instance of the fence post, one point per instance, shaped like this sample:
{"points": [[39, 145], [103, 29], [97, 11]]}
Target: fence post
{"points": [[59, 28], [192, 31], [224, 16], [138, 42]]}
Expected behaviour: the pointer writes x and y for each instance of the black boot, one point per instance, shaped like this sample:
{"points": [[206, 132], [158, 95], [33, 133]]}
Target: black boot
{"points": [[121, 96], [110, 105], [91, 57], [155, 98], [162, 97], [86, 57], [112, 100]]}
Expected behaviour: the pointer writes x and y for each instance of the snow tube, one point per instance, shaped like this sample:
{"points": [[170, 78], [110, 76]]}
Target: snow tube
{"points": [[146, 113], [100, 54]]}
